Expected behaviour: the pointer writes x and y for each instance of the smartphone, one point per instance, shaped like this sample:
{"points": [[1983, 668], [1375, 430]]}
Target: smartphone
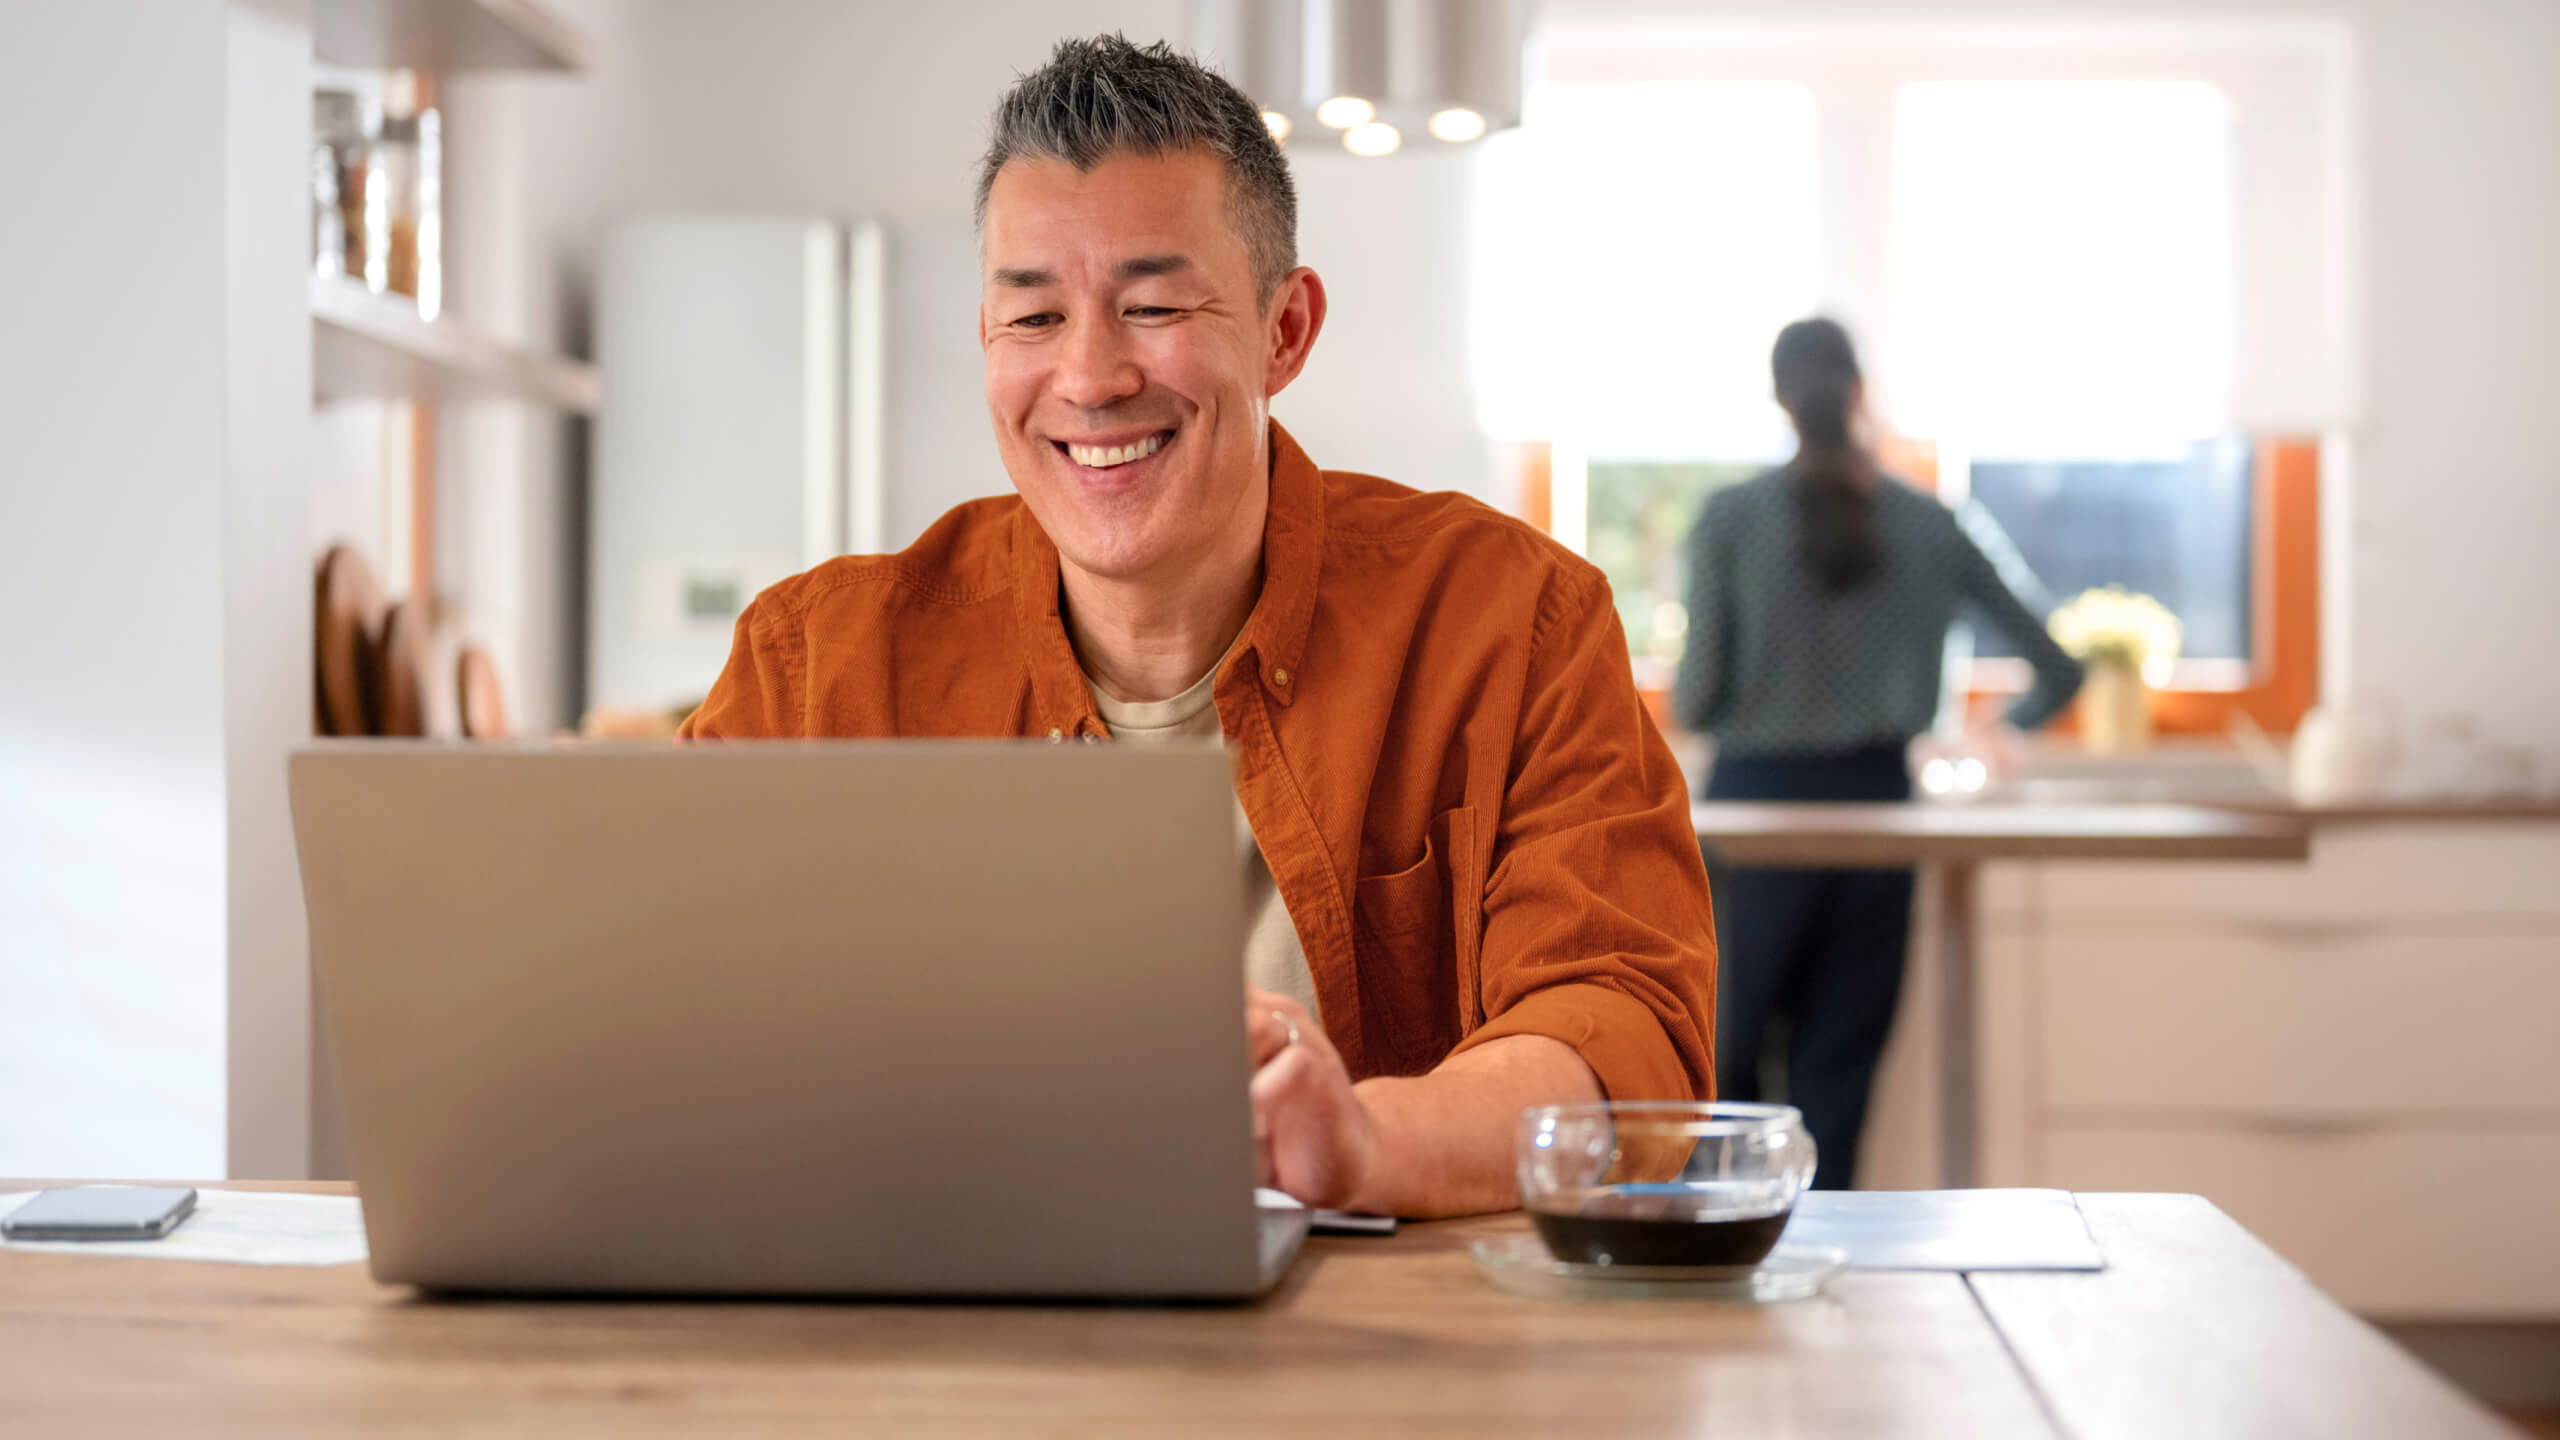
{"points": [[99, 1212]]}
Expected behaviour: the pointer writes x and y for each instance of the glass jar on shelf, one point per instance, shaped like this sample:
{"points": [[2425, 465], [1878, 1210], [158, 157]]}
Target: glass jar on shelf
{"points": [[337, 183], [385, 137]]}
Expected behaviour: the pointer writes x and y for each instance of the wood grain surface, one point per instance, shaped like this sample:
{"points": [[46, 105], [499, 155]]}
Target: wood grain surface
{"points": [[2199, 1329], [1389, 1337]]}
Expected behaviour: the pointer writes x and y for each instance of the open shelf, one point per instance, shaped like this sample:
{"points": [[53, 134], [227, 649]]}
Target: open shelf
{"points": [[447, 35], [368, 345]]}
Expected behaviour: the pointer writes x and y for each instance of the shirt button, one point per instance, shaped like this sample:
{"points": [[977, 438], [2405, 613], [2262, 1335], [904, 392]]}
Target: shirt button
{"points": [[1280, 677]]}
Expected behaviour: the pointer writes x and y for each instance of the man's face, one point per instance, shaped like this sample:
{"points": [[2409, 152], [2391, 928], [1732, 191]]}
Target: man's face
{"points": [[1130, 366]]}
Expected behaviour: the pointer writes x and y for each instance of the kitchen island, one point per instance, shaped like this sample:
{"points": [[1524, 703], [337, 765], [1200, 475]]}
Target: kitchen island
{"points": [[1950, 842]]}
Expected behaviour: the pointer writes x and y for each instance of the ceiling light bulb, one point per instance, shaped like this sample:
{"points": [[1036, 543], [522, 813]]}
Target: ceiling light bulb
{"points": [[1276, 123], [1375, 138], [1457, 125], [1342, 112]]}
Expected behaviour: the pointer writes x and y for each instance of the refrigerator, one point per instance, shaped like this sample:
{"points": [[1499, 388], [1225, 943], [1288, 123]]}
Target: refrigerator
{"points": [[741, 436]]}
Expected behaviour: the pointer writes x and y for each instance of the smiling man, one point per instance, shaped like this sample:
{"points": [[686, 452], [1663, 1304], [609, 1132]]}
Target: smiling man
{"points": [[1474, 882]]}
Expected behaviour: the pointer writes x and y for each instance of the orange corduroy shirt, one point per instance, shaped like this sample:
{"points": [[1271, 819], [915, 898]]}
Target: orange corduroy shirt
{"points": [[1437, 740]]}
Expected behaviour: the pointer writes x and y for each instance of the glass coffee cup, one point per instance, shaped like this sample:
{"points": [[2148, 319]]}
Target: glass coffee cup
{"points": [[1663, 1182]]}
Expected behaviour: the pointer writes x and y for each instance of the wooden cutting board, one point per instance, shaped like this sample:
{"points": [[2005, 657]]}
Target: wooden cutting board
{"points": [[400, 700], [347, 621]]}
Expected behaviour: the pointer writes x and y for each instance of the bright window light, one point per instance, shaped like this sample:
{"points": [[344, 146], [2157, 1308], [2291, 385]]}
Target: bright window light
{"points": [[2061, 263], [1638, 247]]}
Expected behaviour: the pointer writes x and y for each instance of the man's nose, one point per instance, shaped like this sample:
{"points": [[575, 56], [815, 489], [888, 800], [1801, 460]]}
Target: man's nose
{"points": [[1096, 367]]}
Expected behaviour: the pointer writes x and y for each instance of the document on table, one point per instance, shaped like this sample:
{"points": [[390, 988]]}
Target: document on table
{"points": [[1948, 1229], [239, 1227]]}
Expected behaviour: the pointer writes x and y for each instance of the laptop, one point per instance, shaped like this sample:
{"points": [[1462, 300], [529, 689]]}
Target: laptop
{"points": [[926, 1018]]}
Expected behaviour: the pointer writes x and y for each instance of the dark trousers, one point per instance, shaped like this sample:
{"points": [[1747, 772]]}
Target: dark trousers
{"points": [[1820, 952]]}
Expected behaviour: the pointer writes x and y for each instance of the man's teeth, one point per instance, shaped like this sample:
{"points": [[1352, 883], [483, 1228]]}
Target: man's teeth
{"points": [[1103, 457]]}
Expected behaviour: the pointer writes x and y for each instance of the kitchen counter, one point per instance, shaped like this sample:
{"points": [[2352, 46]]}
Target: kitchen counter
{"points": [[1953, 841], [1824, 835]]}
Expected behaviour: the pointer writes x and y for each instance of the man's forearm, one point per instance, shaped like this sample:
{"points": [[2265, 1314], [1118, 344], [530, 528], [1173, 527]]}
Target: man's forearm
{"points": [[1446, 1140]]}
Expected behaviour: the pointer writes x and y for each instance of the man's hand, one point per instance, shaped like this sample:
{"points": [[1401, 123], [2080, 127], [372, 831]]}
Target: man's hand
{"points": [[1426, 1145], [1314, 1135]]}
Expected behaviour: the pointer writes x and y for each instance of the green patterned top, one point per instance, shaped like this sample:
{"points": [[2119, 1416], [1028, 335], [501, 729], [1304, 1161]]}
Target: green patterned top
{"points": [[1773, 665]]}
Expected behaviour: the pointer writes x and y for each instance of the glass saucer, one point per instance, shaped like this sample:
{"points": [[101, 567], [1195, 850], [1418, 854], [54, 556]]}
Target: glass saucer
{"points": [[1521, 1265]]}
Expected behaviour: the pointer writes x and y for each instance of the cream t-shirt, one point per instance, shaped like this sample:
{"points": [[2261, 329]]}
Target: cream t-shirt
{"points": [[1273, 959]]}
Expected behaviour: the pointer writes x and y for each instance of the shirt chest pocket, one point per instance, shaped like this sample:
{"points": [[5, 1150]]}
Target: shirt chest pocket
{"points": [[1418, 933]]}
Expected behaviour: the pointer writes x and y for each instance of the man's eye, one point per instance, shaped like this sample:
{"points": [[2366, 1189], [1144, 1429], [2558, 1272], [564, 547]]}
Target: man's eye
{"points": [[1152, 312], [1041, 321]]}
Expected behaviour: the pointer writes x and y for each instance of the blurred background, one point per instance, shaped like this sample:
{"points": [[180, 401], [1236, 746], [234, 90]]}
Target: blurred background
{"points": [[463, 366]]}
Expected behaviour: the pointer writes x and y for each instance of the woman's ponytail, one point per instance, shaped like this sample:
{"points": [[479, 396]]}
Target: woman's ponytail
{"points": [[1816, 372]]}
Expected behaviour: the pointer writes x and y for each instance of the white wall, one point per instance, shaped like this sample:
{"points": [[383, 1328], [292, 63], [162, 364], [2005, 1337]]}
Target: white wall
{"points": [[111, 792], [265, 371], [154, 628], [2457, 474], [1388, 390]]}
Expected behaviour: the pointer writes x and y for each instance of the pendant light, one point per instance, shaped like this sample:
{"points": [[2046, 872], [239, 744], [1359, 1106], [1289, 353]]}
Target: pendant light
{"points": [[1373, 74]]}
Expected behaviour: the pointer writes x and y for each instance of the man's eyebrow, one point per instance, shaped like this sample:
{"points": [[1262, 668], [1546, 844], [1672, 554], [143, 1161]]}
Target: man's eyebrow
{"points": [[1136, 268]]}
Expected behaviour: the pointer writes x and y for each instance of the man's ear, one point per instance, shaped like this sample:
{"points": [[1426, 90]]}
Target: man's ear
{"points": [[1297, 317], [982, 324]]}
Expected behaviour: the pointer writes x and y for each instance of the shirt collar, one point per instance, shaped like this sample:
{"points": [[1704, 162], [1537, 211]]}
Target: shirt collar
{"points": [[1292, 563], [1275, 634]]}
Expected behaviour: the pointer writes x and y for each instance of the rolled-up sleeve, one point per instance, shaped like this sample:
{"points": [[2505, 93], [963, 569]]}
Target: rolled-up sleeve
{"points": [[1598, 929]]}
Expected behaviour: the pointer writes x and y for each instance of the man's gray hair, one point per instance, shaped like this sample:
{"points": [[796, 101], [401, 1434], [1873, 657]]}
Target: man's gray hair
{"points": [[1104, 96]]}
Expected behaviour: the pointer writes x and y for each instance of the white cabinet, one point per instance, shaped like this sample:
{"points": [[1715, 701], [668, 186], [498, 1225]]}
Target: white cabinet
{"points": [[2359, 1058], [2404, 1222]]}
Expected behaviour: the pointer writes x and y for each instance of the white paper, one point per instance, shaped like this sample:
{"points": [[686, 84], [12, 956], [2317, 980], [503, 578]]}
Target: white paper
{"points": [[1948, 1229], [238, 1227]]}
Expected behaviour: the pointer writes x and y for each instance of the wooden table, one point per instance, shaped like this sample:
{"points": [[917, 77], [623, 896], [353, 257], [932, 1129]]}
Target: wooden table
{"points": [[2196, 1330], [1952, 840]]}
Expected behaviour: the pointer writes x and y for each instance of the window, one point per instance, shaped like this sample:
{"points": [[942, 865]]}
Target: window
{"points": [[2060, 267], [1640, 516], [2252, 618], [1638, 245], [2177, 530], [2061, 322]]}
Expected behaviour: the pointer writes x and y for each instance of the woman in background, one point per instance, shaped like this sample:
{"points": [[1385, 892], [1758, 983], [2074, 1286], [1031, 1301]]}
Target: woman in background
{"points": [[1820, 594]]}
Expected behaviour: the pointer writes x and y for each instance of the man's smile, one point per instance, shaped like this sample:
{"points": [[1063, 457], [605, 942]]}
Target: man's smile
{"points": [[1114, 457]]}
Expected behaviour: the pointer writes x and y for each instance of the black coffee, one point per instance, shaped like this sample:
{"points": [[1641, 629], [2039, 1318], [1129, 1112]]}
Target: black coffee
{"points": [[1658, 1229]]}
